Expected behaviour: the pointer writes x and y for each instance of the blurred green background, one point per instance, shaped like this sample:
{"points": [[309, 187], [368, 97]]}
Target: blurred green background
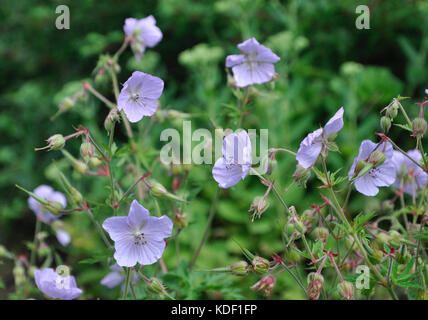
{"points": [[325, 63]]}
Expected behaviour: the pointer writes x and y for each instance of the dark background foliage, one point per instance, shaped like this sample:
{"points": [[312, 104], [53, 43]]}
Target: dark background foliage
{"points": [[325, 63]]}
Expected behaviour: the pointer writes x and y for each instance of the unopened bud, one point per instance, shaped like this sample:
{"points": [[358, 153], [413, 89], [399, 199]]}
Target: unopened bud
{"points": [[315, 285], [156, 285], [158, 190], [111, 118], [67, 104], [321, 233], [80, 166], [385, 124], [301, 175], [292, 256], [393, 112], [346, 289], [180, 220], [266, 283], [382, 239], [388, 206], [260, 265], [55, 142], [95, 161], [376, 256], [54, 207], [419, 127], [76, 196], [258, 206], [87, 149], [239, 268], [377, 157]]}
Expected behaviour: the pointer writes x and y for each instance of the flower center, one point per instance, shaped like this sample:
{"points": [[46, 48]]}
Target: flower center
{"points": [[139, 239]]}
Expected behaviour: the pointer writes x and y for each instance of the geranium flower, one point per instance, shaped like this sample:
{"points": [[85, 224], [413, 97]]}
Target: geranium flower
{"points": [[139, 237], [116, 277], [143, 33], [56, 286], [138, 97], [413, 177], [382, 172], [63, 237], [254, 65], [47, 193], [312, 145], [235, 162]]}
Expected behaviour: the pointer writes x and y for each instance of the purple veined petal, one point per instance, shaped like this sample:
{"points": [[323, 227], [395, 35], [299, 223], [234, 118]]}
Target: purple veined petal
{"points": [[366, 149], [366, 186], [63, 237], [126, 254], [257, 52], [384, 175], [118, 228], [249, 46], [335, 124], [310, 149], [152, 251], [111, 280], [233, 60], [266, 55], [138, 216], [147, 85], [226, 176], [158, 228]]}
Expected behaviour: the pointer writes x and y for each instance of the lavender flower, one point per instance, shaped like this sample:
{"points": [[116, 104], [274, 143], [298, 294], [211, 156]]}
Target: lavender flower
{"points": [[312, 145], [138, 237], [254, 65], [138, 97], [116, 277], [235, 162], [143, 33], [378, 159], [56, 286], [426, 91], [409, 176], [47, 193], [63, 237]]}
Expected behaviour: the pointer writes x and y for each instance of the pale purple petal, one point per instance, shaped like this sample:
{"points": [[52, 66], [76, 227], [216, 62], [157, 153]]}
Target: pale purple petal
{"points": [[158, 227], [56, 286], [118, 228], [150, 33], [63, 237], [226, 176], [236, 148], [138, 216], [113, 279], [366, 186], [426, 91], [130, 26], [310, 149], [47, 193], [335, 124], [233, 60]]}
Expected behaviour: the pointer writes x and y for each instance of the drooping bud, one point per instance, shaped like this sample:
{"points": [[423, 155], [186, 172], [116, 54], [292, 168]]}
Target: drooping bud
{"points": [[155, 285], [385, 124], [419, 127], [95, 161], [266, 283], [158, 190], [54, 207], [111, 118], [239, 268], [66, 104], [78, 165], [315, 285], [73, 193], [393, 111], [377, 157], [260, 265], [19, 275], [258, 206], [87, 149], [321, 233], [346, 289], [55, 142], [301, 175]]}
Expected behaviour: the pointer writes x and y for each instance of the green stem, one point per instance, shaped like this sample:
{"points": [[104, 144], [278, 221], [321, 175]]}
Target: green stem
{"points": [[33, 249], [127, 280], [207, 228]]}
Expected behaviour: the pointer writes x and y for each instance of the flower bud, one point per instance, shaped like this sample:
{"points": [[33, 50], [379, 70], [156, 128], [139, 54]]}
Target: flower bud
{"points": [[260, 265], [95, 161], [258, 206], [382, 239], [55, 142], [376, 256], [80, 166], [101, 77], [19, 275], [76, 196], [111, 118], [419, 127], [292, 256], [87, 149], [239, 268], [300, 227], [301, 175], [266, 283], [346, 289], [395, 239], [403, 257], [321, 233], [66, 104], [315, 285], [385, 124], [377, 157], [393, 112], [54, 207], [176, 169], [388, 206], [158, 190], [180, 220]]}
